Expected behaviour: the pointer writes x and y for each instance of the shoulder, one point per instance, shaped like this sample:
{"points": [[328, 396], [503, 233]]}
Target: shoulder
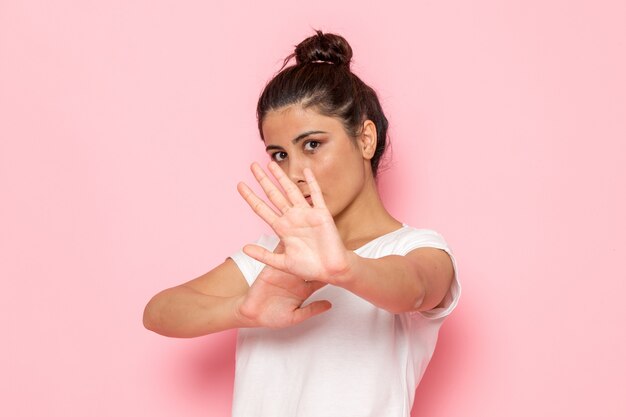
{"points": [[250, 267], [406, 239], [411, 238], [441, 270]]}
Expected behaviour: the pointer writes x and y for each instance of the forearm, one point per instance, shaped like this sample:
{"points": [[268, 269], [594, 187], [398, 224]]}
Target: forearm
{"points": [[390, 282], [185, 312]]}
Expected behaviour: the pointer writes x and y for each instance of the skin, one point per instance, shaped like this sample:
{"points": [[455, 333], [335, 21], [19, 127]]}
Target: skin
{"points": [[340, 164], [326, 205]]}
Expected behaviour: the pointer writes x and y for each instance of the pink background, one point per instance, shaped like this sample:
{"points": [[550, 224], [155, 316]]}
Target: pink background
{"points": [[125, 127]]}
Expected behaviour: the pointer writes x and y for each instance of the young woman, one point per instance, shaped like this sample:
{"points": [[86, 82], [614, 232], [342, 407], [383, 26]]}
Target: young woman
{"points": [[339, 311]]}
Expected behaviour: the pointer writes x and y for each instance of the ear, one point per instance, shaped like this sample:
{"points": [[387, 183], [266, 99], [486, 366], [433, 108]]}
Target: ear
{"points": [[367, 139]]}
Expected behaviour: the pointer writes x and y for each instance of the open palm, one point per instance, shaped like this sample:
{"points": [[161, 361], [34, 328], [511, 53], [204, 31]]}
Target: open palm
{"points": [[275, 300], [313, 249]]}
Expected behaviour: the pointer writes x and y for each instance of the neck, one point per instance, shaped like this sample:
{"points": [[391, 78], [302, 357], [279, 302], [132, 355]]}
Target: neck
{"points": [[365, 218]]}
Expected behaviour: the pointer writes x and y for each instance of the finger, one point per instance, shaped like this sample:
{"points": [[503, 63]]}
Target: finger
{"points": [[316, 285], [308, 311], [273, 193], [314, 188], [258, 206], [280, 248], [293, 192], [261, 254]]}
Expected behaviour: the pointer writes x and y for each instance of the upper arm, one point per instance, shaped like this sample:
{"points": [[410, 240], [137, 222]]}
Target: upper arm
{"points": [[435, 270], [225, 280]]}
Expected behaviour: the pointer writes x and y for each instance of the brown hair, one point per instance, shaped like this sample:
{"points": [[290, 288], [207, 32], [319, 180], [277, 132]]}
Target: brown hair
{"points": [[321, 78]]}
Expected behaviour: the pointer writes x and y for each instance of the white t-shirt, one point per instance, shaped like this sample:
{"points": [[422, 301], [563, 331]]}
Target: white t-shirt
{"points": [[354, 360]]}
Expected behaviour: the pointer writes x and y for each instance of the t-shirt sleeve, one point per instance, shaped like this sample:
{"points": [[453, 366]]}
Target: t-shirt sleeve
{"points": [[250, 267], [432, 239]]}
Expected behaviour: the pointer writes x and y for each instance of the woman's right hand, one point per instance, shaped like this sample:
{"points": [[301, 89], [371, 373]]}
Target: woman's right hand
{"points": [[275, 300]]}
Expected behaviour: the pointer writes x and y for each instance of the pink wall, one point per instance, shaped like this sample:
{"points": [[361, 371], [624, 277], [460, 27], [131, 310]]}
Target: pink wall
{"points": [[125, 127]]}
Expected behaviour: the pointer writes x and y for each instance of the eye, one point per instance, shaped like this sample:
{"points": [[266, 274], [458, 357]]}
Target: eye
{"points": [[279, 156], [311, 145]]}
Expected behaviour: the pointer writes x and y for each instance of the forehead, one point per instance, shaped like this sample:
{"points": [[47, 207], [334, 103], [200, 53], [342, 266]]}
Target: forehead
{"points": [[288, 122]]}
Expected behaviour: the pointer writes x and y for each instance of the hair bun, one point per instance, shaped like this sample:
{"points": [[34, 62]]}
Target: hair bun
{"points": [[324, 47]]}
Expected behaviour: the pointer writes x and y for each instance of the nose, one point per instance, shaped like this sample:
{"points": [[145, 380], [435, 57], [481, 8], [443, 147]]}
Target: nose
{"points": [[295, 170]]}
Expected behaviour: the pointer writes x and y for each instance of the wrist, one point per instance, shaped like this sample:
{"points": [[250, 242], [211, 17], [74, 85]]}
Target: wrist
{"points": [[239, 315], [347, 275]]}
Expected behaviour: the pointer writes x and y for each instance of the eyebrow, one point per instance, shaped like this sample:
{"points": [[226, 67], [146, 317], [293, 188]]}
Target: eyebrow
{"points": [[296, 139]]}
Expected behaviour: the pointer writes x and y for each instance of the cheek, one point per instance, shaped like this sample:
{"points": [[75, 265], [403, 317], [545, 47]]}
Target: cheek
{"points": [[339, 177]]}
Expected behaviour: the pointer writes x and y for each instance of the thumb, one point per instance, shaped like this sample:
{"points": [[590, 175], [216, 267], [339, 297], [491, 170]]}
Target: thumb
{"points": [[264, 256], [310, 310], [316, 285], [280, 248]]}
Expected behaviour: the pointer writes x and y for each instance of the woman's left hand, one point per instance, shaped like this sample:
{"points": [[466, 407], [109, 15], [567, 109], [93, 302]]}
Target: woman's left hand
{"points": [[313, 249]]}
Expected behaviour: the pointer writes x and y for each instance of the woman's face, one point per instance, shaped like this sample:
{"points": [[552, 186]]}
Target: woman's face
{"points": [[297, 138]]}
